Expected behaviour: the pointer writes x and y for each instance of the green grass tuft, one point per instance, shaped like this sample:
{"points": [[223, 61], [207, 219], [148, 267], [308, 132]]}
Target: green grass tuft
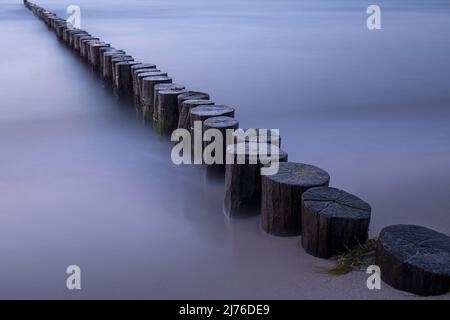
{"points": [[360, 256]]}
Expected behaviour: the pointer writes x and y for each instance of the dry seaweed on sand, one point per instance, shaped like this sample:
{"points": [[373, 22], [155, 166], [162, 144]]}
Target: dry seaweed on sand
{"points": [[360, 256]]}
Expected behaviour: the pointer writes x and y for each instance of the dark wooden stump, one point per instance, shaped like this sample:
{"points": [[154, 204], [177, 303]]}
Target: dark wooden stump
{"points": [[190, 95], [55, 22], [60, 25], [75, 36], [68, 35], [83, 42], [141, 74], [166, 111], [60, 31], [414, 259], [78, 41], [74, 33], [140, 68], [94, 54], [333, 221], [101, 53], [89, 51], [82, 39], [51, 20], [257, 135], [226, 126], [107, 63], [122, 80], [203, 112], [116, 60], [281, 211], [243, 180], [58, 22], [147, 91], [49, 17], [65, 36], [160, 87], [83, 46], [184, 121], [137, 79]]}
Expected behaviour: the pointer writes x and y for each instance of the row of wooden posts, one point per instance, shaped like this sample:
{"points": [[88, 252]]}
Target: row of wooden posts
{"points": [[297, 200]]}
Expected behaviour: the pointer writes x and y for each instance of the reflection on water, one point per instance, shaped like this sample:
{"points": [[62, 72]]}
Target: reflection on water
{"points": [[84, 182]]}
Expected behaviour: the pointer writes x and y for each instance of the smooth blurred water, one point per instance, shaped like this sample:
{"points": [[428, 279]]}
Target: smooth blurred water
{"points": [[83, 182]]}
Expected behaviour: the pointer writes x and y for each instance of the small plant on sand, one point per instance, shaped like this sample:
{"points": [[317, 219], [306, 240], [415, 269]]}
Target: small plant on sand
{"points": [[360, 256]]}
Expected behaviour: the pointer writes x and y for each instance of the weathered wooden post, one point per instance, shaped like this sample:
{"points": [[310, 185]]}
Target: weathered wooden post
{"points": [[143, 73], [137, 76], [243, 177], [47, 18], [333, 221], [102, 51], [160, 87], [76, 40], [165, 114], [83, 43], [60, 25], [107, 63], [184, 121], [414, 259], [226, 125], [134, 71], [117, 59], [84, 52], [79, 40], [72, 35], [54, 21], [94, 54], [122, 80], [147, 91], [189, 95], [65, 36], [89, 51], [202, 112], [281, 211], [59, 30], [86, 49], [57, 23], [68, 33], [51, 19]]}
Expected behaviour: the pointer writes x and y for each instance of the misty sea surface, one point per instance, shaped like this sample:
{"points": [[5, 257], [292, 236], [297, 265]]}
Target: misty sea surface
{"points": [[83, 181]]}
